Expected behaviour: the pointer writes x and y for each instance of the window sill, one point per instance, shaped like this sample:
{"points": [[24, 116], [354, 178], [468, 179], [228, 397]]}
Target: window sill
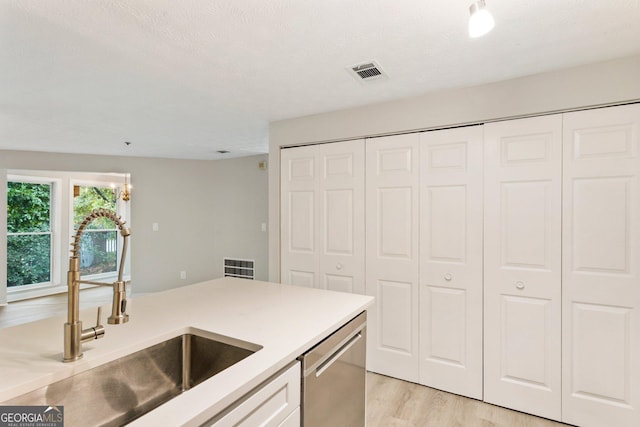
{"points": [[37, 291]]}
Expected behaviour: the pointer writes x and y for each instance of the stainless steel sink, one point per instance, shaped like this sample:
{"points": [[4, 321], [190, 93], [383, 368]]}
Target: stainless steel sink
{"points": [[120, 391]]}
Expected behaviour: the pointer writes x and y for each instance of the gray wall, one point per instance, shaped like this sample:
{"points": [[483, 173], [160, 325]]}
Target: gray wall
{"points": [[608, 82], [205, 210]]}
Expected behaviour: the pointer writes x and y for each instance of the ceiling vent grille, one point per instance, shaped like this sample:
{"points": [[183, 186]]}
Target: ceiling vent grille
{"points": [[368, 71]]}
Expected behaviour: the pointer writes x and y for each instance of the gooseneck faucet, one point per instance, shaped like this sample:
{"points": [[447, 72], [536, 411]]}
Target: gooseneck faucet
{"points": [[74, 335]]}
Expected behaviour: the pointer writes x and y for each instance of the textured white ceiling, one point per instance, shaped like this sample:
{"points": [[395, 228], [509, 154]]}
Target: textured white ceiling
{"points": [[187, 78]]}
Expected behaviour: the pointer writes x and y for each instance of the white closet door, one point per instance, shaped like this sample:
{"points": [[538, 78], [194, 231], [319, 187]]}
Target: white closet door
{"points": [[322, 216], [299, 223], [392, 255], [522, 265], [601, 267], [342, 229], [451, 260]]}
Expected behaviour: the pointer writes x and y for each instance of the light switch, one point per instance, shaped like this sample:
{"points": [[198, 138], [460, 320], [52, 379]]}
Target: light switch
{"points": [[155, 226], [263, 226]]}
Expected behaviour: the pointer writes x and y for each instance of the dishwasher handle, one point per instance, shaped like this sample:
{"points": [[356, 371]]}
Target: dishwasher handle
{"points": [[335, 356]]}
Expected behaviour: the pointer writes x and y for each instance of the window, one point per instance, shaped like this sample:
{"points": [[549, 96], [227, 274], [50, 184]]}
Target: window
{"points": [[29, 233], [44, 210], [99, 242]]}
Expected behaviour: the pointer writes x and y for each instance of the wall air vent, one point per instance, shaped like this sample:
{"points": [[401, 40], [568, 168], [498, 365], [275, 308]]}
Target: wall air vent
{"points": [[243, 268], [367, 72]]}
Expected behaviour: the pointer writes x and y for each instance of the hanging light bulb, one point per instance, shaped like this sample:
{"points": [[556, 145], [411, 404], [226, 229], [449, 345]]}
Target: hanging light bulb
{"points": [[481, 21], [126, 192]]}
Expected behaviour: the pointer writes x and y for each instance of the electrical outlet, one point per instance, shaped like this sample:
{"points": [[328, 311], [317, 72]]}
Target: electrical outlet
{"points": [[183, 275]]}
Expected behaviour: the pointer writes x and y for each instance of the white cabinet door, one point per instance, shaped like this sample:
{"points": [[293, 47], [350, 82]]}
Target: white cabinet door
{"points": [[451, 260], [299, 224], [273, 404], [293, 420], [601, 267], [322, 216], [341, 202], [392, 255], [522, 265]]}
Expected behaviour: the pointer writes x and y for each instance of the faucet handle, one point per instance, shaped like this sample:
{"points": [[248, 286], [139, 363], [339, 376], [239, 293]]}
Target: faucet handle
{"points": [[99, 328], [95, 332]]}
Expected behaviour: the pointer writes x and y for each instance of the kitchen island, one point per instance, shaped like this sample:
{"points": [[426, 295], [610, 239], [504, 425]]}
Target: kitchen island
{"points": [[284, 320]]}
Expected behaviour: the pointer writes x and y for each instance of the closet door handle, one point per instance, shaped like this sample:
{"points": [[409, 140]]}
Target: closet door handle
{"points": [[448, 277], [338, 266], [520, 285]]}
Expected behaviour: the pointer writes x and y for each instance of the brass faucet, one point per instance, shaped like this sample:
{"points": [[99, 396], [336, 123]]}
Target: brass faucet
{"points": [[74, 335]]}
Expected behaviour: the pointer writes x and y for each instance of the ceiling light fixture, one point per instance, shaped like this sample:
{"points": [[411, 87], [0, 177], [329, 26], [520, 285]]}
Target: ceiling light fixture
{"points": [[481, 21], [125, 193]]}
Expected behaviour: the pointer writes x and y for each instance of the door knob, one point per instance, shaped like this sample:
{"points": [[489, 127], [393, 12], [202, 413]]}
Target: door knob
{"points": [[519, 284], [448, 277], [338, 266]]}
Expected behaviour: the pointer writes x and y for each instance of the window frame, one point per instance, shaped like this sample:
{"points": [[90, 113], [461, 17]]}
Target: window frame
{"points": [[28, 291]]}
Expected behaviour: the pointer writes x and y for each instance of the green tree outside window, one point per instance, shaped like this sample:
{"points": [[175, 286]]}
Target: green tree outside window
{"points": [[28, 233], [98, 247]]}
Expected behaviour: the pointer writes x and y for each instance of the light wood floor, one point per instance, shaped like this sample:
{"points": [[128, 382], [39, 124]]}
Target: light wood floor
{"points": [[396, 403]]}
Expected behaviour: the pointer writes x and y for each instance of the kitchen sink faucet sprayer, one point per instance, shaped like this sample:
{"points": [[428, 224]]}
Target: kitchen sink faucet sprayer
{"points": [[74, 335]]}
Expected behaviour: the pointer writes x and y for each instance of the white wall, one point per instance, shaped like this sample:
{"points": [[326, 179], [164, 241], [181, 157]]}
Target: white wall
{"points": [[603, 83], [205, 210]]}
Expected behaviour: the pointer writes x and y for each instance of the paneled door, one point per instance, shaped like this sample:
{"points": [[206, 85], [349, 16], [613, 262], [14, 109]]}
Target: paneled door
{"points": [[522, 264], [392, 262], [601, 267], [451, 260], [342, 228], [299, 225], [322, 216]]}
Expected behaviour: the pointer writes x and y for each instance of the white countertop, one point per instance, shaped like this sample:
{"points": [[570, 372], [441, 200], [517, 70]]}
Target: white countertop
{"points": [[284, 320]]}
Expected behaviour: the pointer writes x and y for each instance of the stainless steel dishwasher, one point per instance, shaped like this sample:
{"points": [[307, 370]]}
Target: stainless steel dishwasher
{"points": [[334, 376]]}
